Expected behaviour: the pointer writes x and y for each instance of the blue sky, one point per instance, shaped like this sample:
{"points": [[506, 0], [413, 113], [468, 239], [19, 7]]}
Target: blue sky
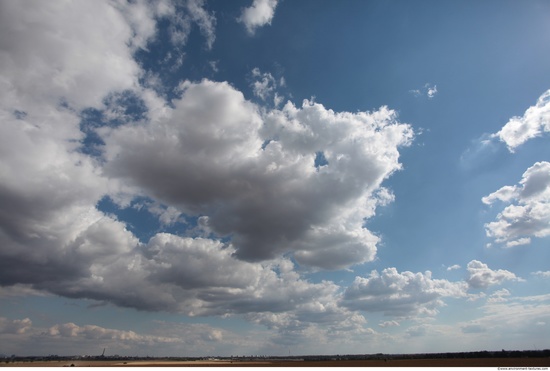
{"points": [[258, 177]]}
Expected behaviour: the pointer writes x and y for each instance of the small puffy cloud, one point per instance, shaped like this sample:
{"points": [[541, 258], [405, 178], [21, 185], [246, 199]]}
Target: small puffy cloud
{"points": [[400, 294], [480, 276], [453, 267], [258, 14], [17, 326], [528, 212], [432, 91], [534, 122], [427, 90], [542, 274]]}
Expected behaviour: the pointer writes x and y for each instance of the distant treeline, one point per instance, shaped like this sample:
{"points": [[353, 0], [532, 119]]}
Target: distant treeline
{"points": [[450, 355]]}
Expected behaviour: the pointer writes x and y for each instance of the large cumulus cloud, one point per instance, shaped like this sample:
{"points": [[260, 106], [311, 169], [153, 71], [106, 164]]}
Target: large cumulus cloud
{"points": [[403, 294], [252, 175]]}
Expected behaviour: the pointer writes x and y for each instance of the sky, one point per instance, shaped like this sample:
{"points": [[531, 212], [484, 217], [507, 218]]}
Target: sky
{"points": [[264, 177]]}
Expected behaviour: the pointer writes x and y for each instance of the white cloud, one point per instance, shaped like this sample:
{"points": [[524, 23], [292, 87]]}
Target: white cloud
{"points": [[264, 86], [453, 267], [388, 324], [206, 21], [542, 274], [17, 326], [499, 296], [400, 294], [512, 319], [528, 212], [534, 122], [432, 91], [23, 336], [43, 60], [93, 332], [427, 90], [481, 276], [253, 174], [258, 14]]}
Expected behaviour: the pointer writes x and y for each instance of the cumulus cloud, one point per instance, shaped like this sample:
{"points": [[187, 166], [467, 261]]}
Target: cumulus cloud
{"points": [[400, 294], [252, 174], [258, 14], [542, 274], [17, 326], [453, 267], [480, 276], [528, 212], [534, 122]]}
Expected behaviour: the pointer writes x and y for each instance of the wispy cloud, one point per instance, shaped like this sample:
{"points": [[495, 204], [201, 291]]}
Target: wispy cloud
{"points": [[427, 90], [542, 274]]}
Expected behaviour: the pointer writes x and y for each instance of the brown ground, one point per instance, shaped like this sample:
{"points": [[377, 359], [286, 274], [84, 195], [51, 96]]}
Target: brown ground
{"points": [[466, 362]]}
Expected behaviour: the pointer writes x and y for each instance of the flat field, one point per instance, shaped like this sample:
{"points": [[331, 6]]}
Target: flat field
{"points": [[543, 363]]}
